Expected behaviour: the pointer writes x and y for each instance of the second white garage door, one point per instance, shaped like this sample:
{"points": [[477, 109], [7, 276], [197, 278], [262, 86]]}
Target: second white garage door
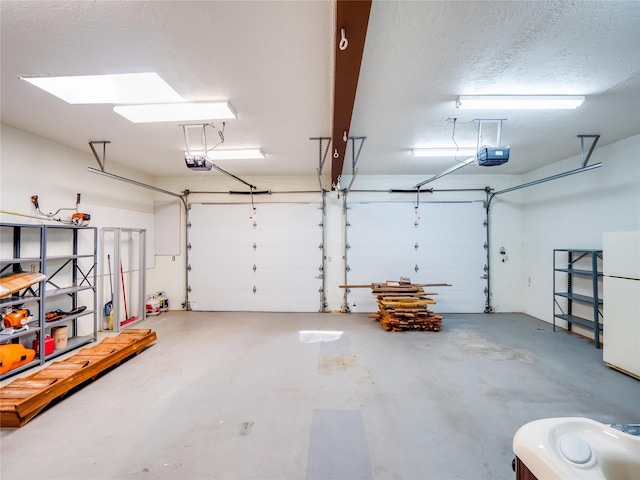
{"points": [[267, 262], [442, 243]]}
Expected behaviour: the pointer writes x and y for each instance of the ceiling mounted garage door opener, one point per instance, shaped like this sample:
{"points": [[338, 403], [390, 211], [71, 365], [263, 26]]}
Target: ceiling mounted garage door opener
{"points": [[196, 158]]}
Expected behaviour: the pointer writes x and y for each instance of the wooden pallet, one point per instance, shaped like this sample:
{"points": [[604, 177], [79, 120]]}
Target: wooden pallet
{"points": [[24, 398]]}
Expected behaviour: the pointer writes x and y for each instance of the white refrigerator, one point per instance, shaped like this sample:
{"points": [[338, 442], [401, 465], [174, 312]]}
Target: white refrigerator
{"points": [[621, 325]]}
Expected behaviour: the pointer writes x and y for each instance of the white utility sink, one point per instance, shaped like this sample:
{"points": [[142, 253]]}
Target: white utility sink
{"points": [[577, 448]]}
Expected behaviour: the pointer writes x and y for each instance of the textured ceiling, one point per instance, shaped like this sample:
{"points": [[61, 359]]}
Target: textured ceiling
{"points": [[273, 61]]}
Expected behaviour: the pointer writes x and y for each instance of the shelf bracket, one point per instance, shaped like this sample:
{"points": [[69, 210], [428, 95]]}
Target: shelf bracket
{"points": [[322, 157], [585, 160], [102, 163], [355, 156]]}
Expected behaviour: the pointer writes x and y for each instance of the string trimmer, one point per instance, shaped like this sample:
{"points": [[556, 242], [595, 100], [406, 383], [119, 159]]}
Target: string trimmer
{"points": [[77, 218]]}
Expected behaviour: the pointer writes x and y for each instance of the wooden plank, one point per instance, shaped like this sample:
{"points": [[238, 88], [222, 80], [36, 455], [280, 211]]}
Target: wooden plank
{"points": [[39, 389], [397, 291], [407, 304], [14, 282], [403, 298], [70, 365], [17, 393], [27, 382], [372, 285]]}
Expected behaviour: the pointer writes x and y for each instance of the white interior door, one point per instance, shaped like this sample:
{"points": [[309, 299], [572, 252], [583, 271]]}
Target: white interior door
{"points": [[269, 261], [440, 243]]}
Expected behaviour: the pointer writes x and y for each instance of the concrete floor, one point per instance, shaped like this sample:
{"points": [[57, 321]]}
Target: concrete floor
{"points": [[240, 396]]}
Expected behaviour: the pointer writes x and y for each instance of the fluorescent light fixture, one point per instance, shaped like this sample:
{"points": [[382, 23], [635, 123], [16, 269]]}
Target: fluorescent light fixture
{"points": [[120, 88], [515, 102], [443, 152], [241, 154], [176, 112]]}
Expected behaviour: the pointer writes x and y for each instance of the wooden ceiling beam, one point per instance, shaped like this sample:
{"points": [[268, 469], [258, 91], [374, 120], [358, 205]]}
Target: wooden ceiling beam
{"points": [[353, 17]]}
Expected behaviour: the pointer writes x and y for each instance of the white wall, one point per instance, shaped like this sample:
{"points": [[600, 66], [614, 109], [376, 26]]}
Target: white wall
{"points": [[574, 212], [567, 213], [31, 165]]}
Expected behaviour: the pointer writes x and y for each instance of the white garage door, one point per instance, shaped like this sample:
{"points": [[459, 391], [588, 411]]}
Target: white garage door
{"points": [[268, 262], [443, 243]]}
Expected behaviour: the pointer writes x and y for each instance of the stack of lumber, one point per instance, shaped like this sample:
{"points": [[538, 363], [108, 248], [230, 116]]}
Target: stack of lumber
{"points": [[405, 306]]}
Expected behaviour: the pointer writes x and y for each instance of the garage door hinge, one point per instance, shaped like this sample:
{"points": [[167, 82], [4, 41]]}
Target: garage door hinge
{"points": [[189, 225], [485, 276], [348, 268], [485, 246], [321, 224], [254, 289], [321, 246], [486, 268], [189, 289], [347, 246], [415, 224], [189, 267], [254, 246], [348, 224], [416, 268], [485, 223], [416, 246], [189, 246], [255, 224], [254, 267]]}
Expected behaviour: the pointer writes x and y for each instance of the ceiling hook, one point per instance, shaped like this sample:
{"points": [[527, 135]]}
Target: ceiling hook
{"points": [[344, 43]]}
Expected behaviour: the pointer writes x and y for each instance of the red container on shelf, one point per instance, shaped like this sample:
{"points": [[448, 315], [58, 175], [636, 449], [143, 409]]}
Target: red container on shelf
{"points": [[48, 345]]}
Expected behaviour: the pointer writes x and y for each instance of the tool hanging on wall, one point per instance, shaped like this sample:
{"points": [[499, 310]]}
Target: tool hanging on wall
{"points": [[77, 218]]}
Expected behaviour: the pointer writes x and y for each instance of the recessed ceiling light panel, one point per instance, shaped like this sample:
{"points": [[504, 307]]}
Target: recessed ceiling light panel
{"points": [[443, 152], [177, 112], [240, 154], [113, 89], [519, 102]]}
